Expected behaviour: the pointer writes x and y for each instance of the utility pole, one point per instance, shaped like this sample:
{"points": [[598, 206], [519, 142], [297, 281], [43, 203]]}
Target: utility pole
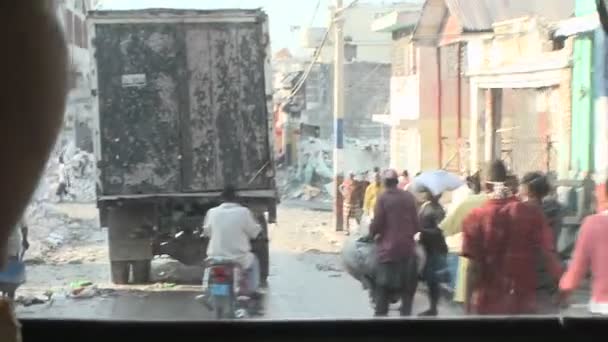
{"points": [[338, 25]]}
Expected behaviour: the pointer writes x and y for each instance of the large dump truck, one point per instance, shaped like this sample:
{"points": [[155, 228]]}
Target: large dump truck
{"points": [[182, 100]]}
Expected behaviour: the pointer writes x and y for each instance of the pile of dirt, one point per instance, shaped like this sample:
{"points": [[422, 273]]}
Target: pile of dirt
{"points": [[50, 228]]}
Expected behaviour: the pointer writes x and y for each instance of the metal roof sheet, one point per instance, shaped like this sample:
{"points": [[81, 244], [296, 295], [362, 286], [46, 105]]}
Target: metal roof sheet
{"points": [[431, 20], [479, 15]]}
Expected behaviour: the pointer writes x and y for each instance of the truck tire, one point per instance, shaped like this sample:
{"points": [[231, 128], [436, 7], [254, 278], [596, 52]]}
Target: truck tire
{"points": [[130, 241], [120, 272], [141, 271], [262, 251]]}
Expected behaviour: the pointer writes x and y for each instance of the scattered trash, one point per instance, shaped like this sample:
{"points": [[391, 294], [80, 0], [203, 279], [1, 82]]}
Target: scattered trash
{"points": [[164, 285], [327, 268], [80, 283], [106, 292], [84, 292], [82, 289], [32, 300]]}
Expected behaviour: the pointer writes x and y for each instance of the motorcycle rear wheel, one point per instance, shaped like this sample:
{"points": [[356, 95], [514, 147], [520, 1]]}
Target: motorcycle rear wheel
{"points": [[223, 307]]}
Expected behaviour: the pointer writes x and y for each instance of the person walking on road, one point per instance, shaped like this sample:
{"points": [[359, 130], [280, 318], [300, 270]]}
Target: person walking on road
{"points": [[371, 195], [432, 240], [452, 225], [590, 254], [404, 179], [502, 240], [393, 228], [535, 187], [351, 204], [64, 182]]}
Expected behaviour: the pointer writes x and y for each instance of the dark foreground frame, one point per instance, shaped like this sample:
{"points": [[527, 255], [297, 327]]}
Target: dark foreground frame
{"points": [[389, 330]]}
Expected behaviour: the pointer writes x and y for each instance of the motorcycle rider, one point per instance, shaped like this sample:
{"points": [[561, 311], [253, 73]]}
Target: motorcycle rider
{"points": [[230, 228]]}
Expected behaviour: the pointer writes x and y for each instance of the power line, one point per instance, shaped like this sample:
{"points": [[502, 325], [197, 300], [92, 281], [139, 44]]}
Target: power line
{"points": [[314, 14], [317, 54], [351, 4], [312, 63]]}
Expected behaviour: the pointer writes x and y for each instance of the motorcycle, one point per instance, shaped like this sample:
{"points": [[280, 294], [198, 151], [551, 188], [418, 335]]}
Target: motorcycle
{"points": [[225, 297]]}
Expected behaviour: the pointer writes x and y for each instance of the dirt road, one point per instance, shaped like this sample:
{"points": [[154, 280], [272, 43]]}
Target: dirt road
{"points": [[306, 278]]}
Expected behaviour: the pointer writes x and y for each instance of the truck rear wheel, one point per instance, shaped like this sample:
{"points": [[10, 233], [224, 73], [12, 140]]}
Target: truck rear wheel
{"points": [[141, 271], [130, 241], [120, 272]]}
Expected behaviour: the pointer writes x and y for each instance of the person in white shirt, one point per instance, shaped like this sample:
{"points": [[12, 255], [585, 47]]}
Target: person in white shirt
{"points": [[64, 183], [230, 228]]}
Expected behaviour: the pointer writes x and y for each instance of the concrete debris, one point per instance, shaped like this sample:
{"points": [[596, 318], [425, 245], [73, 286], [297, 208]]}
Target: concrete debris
{"points": [[84, 292], [80, 174], [55, 240], [314, 167], [310, 192]]}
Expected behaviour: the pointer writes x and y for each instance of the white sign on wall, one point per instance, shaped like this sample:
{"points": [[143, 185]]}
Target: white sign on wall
{"points": [[134, 81]]}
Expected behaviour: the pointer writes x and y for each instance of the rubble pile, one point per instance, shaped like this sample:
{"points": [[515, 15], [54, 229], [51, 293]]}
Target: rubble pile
{"points": [[80, 172], [313, 171], [49, 227], [312, 177]]}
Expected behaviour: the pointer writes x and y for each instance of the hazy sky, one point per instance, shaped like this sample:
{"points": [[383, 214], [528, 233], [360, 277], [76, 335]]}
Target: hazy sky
{"points": [[283, 14]]}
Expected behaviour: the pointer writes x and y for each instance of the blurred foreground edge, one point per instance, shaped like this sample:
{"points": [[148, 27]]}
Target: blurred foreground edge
{"points": [[466, 329]]}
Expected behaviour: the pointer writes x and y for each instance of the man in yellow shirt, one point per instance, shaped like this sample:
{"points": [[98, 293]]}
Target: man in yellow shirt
{"points": [[452, 225], [371, 195]]}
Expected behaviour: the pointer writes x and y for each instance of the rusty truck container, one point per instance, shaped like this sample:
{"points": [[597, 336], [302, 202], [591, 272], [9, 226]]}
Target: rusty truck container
{"points": [[182, 102]]}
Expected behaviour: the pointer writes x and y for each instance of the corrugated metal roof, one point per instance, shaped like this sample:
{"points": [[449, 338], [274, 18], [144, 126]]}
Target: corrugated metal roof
{"points": [[431, 20], [479, 15]]}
